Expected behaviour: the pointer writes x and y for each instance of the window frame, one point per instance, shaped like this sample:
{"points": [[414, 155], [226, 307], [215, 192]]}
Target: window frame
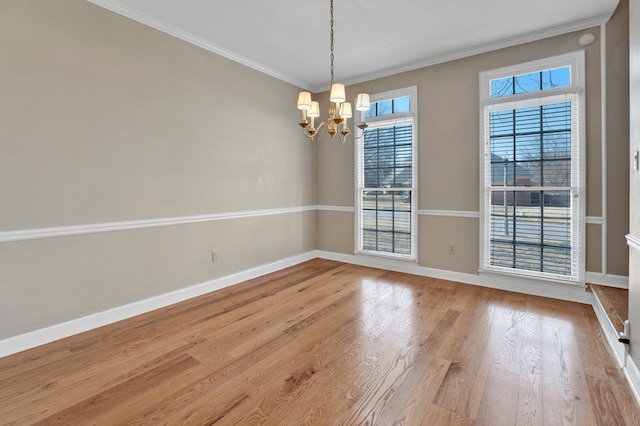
{"points": [[575, 93], [383, 121]]}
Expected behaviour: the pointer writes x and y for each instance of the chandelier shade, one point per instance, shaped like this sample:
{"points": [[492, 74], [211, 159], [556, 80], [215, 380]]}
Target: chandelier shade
{"points": [[345, 110], [362, 102], [315, 109], [337, 93], [304, 100]]}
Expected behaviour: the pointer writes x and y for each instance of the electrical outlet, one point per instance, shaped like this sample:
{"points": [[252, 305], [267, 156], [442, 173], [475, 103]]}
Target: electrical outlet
{"points": [[452, 249], [214, 256]]}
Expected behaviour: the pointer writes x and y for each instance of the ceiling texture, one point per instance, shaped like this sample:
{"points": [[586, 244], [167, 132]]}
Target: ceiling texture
{"points": [[289, 39]]}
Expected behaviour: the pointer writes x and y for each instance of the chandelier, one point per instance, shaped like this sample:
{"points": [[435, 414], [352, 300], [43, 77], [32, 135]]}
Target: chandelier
{"points": [[339, 110]]}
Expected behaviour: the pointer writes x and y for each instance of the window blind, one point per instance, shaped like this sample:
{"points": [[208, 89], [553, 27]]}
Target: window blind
{"points": [[387, 191], [533, 187]]}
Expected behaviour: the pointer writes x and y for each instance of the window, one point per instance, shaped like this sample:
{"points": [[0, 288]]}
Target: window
{"points": [[532, 169], [386, 204]]}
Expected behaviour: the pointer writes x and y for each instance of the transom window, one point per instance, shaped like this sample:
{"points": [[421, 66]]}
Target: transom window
{"points": [[532, 170], [531, 82], [388, 106], [386, 177]]}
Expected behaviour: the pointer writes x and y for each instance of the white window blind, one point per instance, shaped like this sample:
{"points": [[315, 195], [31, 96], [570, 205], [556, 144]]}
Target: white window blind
{"points": [[533, 184]]}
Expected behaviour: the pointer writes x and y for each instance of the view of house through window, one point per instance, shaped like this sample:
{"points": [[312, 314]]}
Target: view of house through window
{"points": [[386, 219], [532, 178]]}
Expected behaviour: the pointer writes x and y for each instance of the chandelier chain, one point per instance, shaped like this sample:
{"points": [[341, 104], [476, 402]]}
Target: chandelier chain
{"points": [[331, 36]]}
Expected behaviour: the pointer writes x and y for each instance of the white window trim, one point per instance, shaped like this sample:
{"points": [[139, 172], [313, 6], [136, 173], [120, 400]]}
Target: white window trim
{"points": [[373, 122], [576, 60]]}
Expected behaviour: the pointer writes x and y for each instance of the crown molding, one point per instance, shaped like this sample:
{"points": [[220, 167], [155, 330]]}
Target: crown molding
{"points": [[484, 48], [192, 39], [142, 18]]}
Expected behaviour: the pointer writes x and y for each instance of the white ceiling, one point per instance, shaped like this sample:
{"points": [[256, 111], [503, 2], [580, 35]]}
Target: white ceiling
{"points": [[289, 39]]}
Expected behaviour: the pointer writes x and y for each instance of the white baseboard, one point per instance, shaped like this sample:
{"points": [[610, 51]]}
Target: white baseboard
{"points": [[35, 338], [570, 292], [610, 333], [632, 374], [607, 280]]}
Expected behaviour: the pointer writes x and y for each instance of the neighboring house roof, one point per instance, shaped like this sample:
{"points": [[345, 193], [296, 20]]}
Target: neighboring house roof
{"points": [[498, 170]]}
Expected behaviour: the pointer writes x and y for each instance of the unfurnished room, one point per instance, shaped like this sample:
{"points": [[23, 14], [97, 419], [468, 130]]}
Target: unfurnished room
{"points": [[319, 212]]}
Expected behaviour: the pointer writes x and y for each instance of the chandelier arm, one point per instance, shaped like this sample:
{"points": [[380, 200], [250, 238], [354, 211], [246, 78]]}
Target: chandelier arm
{"points": [[318, 132]]}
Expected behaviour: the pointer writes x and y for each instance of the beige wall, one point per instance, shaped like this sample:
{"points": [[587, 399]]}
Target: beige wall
{"points": [[618, 139], [634, 202], [448, 151], [105, 120]]}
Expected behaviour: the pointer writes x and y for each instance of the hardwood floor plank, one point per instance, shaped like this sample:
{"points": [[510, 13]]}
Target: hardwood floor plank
{"points": [[499, 408], [210, 394], [159, 379], [462, 386], [227, 302], [530, 394], [314, 350], [326, 343], [565, 393], [603, 402], [350, 373], [248, 375], [381, 402], [92, 378], [119, 338], [421, 399], [586, 339], [626, 402], [284, 386], [437, 415], [418, 390]]}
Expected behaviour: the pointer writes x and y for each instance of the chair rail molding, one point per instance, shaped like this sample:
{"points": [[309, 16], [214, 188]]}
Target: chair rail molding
{"points": [[633, 242], [63, 231]]}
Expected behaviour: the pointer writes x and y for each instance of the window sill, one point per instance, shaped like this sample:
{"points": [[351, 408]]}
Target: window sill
{"points": [[390, 256], [526, 276]]}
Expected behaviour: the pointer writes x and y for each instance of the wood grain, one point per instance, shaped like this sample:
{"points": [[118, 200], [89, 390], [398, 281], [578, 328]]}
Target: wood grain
{"points": [[326, 343]]}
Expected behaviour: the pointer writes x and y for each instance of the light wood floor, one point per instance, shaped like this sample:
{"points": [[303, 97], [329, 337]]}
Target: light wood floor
{"points": [[330, 344]]}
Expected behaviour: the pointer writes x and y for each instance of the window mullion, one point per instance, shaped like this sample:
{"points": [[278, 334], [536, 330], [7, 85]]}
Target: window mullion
{"points": [[542, 157], [514, 242]]}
